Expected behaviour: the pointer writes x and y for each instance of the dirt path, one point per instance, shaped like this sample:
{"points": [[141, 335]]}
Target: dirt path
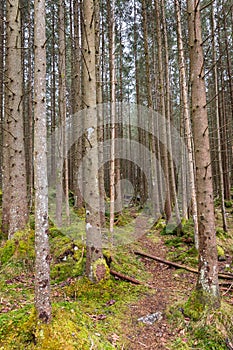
{"points": [[169, 287]]}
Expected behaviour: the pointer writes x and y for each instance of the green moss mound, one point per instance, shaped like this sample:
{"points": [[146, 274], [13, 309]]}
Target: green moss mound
{"points": [[19, 248], [93, 315], [214, 330]]}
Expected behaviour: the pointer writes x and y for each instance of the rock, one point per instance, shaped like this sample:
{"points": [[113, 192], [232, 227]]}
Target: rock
{"points": [[151, 318]]}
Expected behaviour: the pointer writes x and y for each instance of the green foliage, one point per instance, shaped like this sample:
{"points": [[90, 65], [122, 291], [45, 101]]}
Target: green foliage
{"points": [[7, 251], [169, 229], [220, 233], [228, 204], [174, 242], [161, 224]]}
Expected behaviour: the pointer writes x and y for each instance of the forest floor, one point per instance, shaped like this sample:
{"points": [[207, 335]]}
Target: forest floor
{"points": [[169, 287], [172, 288], [114, 314]]}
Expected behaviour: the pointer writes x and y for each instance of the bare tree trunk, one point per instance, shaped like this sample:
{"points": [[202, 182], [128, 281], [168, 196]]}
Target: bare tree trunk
{"points": [[76, 101], [15, 204], [95, 264], [1, 83], [216, 101], [62, 171], [111, 14], [187, 121], [168, 115], [162, 110], [99, 95], [42, 268], [207, 284]]}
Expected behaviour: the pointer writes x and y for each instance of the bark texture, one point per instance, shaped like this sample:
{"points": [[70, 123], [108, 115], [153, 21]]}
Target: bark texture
{"points": [[42, 265], [15, 205], [95, 269], [207, 283]]}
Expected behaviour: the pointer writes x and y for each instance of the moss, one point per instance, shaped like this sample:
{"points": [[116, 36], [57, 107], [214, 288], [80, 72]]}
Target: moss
{"points": [[19, 248], [161, 224], [228, 204], [169, 229], [200, 303], [208, 332], [7, 251], [220, 250], [55, 232], [220, 233], [100, 270]]}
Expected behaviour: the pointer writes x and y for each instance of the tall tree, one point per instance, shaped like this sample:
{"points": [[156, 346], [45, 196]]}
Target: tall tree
{"points": [[95, 265], [15, 204], [207, 284], [186, 120], [62, 166], [162, 110], [111, 14], [1, 79], [217, 115], [42, 264]]}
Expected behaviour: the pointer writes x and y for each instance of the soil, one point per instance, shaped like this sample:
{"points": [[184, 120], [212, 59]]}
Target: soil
{"points": [[169, 287]]}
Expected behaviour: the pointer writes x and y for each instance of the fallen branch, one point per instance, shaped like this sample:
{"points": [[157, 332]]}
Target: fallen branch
{"points": [[124, 277], [179, 266]]}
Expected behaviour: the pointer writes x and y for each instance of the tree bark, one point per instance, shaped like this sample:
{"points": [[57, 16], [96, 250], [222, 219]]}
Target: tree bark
{"points": [[162, 110], [15, 204], [95, 267], [42, 264], [207, 284], [111, 14], [187, 121]]}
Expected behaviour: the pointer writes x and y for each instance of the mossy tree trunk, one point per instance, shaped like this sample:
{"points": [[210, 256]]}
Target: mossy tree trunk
{"points": [[207, 284]]}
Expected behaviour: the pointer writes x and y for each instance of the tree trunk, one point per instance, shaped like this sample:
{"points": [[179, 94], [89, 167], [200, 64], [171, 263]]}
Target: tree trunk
{"points": [[99, 95], [168, 116], [95, 265], [62, 166], [42, 268], [216, 105], [1, 83], [187, 121], [76, 101], [162, 110], [207, 284], [111, 14], [15, 204]]}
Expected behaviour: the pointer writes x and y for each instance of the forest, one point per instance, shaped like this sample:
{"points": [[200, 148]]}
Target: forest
{"points": [[116, 174]]}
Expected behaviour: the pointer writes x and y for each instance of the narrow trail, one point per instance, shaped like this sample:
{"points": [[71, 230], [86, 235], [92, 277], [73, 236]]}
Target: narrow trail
{"points": [[169, 287]]}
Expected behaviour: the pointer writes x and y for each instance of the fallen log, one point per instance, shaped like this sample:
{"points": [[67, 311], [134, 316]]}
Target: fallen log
{"points": [[124, 277], [179, 266]]}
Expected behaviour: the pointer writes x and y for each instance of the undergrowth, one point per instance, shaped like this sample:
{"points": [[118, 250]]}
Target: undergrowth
{"points": [[213, 331], [85, 315]]}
